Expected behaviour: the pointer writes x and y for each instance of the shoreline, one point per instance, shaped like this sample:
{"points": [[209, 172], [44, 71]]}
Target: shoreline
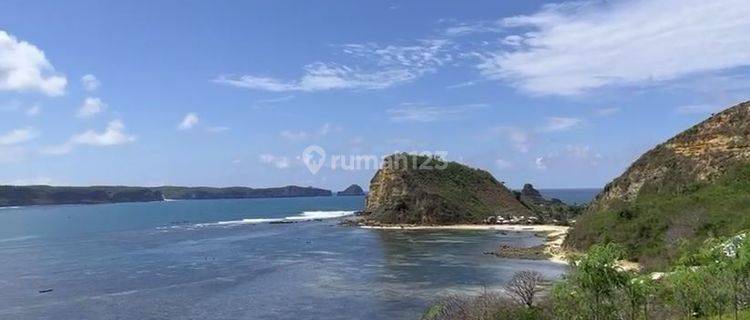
{"points": [[552, 243]]}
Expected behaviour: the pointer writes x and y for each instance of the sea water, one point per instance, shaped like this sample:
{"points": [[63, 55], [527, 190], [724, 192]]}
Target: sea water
{"points": [[237, 259]]}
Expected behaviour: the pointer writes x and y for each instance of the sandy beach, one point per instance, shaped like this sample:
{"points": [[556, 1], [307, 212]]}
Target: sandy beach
{"points": [[553, 243]]}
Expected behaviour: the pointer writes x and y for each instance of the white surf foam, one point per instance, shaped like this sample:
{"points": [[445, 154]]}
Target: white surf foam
{"points": [[312, 215], [305, 216]]}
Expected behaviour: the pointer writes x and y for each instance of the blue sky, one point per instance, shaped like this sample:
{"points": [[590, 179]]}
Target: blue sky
{"points": [[221, 93]]}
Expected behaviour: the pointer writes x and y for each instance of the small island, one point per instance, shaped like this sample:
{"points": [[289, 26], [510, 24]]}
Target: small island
{"points": [[352, 190]]}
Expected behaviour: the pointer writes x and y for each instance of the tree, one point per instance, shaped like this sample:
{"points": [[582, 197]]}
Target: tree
{"points": [[524, 286], [598, 278]]}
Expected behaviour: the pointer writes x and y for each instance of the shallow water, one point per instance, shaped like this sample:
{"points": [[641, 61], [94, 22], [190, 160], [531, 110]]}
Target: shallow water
{"points": [[212, 259]]}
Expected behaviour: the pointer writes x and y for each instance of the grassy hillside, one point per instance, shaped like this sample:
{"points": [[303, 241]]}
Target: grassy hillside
{"points": [[667, 219], [446, 192]]}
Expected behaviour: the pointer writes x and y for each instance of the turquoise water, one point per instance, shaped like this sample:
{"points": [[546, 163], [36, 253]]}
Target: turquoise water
{"points": [[220, 259]]}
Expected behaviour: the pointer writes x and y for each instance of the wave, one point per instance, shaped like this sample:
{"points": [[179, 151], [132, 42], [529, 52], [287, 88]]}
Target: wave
{"points": [[304, 216]]}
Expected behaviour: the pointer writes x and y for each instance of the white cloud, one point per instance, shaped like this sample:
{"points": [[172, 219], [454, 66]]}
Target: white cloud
{"points": [[90, 82], [571, 48], [409, 112], [539, 163], [606, 111], [18, 136], [34, 111], [383, 67], [91, 106], [560, 124], [279, 162], [113, 135], [294, 135], [189, 121], [697, 109], [466, 28], [23, 67]]}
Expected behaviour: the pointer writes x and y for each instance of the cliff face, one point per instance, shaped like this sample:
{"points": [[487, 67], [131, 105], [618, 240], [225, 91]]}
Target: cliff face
{"points": [[404, 191], [692, 186], [699, 154], [352, 190]]}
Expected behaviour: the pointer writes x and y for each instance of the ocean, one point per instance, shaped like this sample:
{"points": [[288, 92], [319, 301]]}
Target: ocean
{"points": [[237, 259]]}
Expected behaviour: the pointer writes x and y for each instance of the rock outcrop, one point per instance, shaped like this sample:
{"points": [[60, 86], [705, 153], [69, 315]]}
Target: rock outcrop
{"points": [[352, 190], [549, 211], [690, 187], [412, 189]]}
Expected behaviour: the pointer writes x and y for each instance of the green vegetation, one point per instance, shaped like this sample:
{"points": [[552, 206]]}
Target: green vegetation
{"points": [[712, 282], [667, 220], [428, 190]]}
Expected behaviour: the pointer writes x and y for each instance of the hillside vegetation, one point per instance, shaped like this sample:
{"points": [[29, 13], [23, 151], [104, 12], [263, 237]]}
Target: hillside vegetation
{"points": [[415, 189], [693, 186]]}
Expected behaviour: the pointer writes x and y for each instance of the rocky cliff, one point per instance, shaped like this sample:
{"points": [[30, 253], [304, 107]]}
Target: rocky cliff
{"points": [[420, 190], [692, 186], [352, 190], [549, 211]]}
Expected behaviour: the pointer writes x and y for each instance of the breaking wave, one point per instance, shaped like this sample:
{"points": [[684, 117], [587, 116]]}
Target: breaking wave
{"points": [[304, 216]]}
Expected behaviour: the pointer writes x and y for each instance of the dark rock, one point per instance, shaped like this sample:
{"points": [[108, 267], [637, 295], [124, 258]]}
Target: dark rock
{"points": [[352, 190]]}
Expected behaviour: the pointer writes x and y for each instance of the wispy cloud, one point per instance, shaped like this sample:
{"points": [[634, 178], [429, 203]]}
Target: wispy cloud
{"points": [[18, 136], [697, 109], [90, 82], [23, 67], [280, 162], [410, 112], [503, 164], [466, 28], [559, 124], [568, 49], [33, 111], [382, 67], [91, 106], [189, 121], [519, 139], [294, 135], [607, 111]]}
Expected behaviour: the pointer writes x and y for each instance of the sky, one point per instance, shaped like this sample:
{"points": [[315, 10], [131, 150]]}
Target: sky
{"points": [[232, 93]]}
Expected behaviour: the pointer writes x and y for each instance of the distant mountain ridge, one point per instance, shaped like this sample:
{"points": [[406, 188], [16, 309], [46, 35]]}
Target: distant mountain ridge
{"points": [[52, 195]]}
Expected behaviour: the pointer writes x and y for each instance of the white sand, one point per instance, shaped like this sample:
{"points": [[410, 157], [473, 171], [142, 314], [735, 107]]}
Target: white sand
{"points": [[555, 234]]}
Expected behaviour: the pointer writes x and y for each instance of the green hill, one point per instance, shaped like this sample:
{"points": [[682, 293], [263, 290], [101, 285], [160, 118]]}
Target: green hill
{"points": [[693, 186], [420, 190]]}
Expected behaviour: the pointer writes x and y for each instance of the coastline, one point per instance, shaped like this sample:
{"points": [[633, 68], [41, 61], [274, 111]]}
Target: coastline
{"points": [[552, 244]]}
